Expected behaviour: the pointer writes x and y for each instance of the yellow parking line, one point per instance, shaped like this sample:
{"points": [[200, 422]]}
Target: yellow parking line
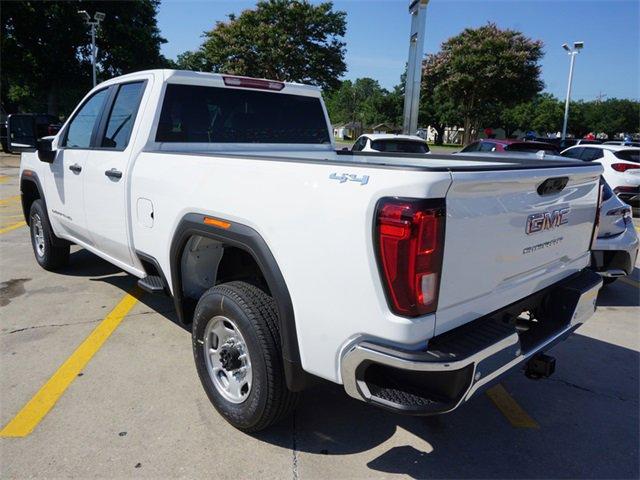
{"points": [[12, 227], [510, 408], [630, 281], [4, 201], [44, 400]]}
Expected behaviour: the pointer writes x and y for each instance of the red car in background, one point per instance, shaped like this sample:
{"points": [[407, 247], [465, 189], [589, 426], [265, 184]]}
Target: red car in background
{"points": [[495, 145]]}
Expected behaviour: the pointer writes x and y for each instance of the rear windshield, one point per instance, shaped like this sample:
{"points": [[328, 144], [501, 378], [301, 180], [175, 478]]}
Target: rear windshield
{"points": [[531, 147], [399, 146], [629, 155], [197, 114]]}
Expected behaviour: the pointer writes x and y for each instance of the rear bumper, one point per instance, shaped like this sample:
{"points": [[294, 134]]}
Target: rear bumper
{"points": [[616, 256], [462, 361]]}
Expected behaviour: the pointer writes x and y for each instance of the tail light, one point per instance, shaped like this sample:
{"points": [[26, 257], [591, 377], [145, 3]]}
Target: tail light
{"points": [[252, 83], [623, 167], [410, 244]]}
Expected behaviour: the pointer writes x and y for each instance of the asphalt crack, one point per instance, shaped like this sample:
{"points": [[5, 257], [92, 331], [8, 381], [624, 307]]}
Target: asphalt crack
{"points": [[54, 325], [294, 448], [589, 390]]}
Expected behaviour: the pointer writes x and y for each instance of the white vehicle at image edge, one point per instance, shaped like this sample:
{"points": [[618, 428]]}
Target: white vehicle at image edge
{"points": [[414, 281], [390, 143], [615, 250], [621, 168]]}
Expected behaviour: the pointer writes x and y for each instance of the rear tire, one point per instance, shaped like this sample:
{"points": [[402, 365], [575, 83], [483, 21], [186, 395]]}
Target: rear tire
{"points": [[51, 253], [236, 347]]}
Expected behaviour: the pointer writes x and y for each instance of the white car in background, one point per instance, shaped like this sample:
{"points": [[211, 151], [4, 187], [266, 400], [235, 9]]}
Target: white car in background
{"points": [[621, 168], [390, 143]]}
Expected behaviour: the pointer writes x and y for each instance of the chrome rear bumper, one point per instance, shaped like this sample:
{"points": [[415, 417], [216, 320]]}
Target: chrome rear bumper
{"points": [[457, 364]]}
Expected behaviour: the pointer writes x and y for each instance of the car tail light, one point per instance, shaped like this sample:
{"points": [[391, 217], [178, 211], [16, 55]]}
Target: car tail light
{"points": [[410, 244], [623, 167], [252, 83]]}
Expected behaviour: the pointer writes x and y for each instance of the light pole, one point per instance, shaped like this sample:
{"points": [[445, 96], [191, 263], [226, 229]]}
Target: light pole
{"points": [[418, 12], [97, 18], [577, 46]]}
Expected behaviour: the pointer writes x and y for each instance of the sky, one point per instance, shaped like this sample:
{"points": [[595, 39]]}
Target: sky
{"points": [[377, 40]]}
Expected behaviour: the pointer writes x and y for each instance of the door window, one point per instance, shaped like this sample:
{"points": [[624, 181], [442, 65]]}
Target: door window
{"points": [[122, 116], [81, 127], [487, 147], [590, 154], [471, 148], [573, 153]]}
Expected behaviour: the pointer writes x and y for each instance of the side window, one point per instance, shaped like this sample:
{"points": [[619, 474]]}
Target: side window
{"points": [[590, 154], [487, 147], [122, 116], [573, 153], [472, 147], [359, 145], [81, 127]]}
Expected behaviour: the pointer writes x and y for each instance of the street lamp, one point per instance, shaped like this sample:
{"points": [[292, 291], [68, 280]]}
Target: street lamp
{"points": [[97, 18], [572, 52]]}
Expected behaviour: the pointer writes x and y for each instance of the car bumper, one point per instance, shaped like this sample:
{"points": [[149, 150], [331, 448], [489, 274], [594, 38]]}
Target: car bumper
{"points": [[615, 256], [459, 363]]}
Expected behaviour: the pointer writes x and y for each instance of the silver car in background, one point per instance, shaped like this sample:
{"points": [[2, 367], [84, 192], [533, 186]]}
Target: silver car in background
{"points": [[615, 250]]}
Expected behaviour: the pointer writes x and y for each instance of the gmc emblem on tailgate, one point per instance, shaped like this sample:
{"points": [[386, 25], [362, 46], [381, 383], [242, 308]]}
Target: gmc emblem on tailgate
{"points": [[537, 222]]}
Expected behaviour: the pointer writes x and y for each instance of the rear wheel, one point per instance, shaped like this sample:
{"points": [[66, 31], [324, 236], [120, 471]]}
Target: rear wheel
{"points": [[50, 252], [236, 347]]}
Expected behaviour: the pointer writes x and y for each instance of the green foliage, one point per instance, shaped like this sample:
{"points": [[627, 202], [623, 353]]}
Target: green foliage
{"points": [[280, 39], [363, 101], [545, 113], [46, 49], [487, 69]]}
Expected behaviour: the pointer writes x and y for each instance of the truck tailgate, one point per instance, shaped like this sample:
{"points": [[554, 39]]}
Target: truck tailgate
{"points": [[504, 240]]}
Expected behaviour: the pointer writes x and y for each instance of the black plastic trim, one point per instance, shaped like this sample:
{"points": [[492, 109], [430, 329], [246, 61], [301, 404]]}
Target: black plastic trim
{"points": [[149, 259], [33, 178], [247, 239]]}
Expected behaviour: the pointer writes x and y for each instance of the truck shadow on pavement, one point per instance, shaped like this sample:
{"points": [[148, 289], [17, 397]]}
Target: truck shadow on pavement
{"points": [[587, 414]]}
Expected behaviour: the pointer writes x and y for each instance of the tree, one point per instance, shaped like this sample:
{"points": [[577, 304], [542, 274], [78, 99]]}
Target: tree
{"points": [[280, 39], [486, 68], [46, 49], [364, 101], [436, 109], [543, 114], [612, 116]]}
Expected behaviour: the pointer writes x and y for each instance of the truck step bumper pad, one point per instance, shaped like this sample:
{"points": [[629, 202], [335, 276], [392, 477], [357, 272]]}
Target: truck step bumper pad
{"points": [[459, 363]]}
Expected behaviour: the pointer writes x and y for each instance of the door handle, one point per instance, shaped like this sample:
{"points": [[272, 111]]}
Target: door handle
{"points": [[75, 168], [113, 173]]}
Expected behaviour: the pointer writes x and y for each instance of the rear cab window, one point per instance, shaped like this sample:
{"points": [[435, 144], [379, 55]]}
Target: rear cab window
{"points": [[201, 114], [122, 116]]}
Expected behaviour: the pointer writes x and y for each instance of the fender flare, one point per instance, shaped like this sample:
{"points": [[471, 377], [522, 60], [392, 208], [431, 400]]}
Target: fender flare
{"points": [[31, 176], [249, 240]]}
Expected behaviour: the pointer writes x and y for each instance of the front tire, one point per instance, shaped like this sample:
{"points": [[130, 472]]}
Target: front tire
{"points": [[50, 252], [236, 347]]}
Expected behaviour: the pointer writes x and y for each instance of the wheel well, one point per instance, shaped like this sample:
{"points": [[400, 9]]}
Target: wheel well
{"points": [[30, 194], [206, 262]]}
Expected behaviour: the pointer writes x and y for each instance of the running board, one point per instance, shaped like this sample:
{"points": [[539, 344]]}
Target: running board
{"points": [[152, 284]]}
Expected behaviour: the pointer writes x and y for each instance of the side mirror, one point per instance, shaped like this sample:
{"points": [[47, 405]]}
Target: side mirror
{"points": [[21, 133], [46, 153]]}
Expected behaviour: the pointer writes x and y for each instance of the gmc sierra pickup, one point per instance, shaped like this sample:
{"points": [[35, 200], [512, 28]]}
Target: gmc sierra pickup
{"points": [[412, 280]]}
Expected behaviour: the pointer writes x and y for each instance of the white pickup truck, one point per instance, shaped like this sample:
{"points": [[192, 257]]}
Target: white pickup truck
{"points": [[413, 281]]}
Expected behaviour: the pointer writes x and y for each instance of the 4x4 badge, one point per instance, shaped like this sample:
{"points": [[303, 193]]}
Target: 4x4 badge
{"points": [[351, 177]]}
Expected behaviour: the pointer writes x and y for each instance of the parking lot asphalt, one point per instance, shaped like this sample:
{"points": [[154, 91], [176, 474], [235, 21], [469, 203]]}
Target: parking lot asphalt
{"points": [[127, 402]]}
